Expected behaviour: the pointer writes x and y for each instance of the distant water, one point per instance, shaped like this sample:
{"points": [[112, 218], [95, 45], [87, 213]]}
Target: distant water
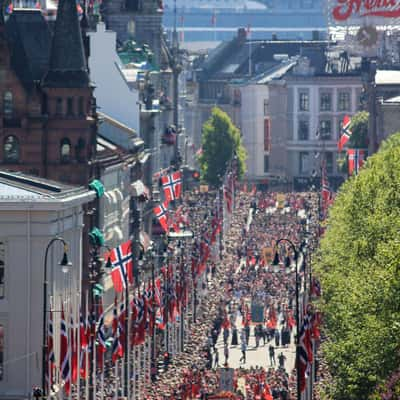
{"points": [[207, 25]]}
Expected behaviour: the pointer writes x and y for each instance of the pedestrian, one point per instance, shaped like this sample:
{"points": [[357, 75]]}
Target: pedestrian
{"points": [[243, 348], [281, 359], [277, 337], [226, 335], [271, 354], [234, 341], [216, 358], [247, 332], [226, 354]]}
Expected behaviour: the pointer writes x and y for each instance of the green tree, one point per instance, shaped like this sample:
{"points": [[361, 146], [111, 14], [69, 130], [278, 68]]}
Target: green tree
{"points": [[358, 264], [221, 141]]}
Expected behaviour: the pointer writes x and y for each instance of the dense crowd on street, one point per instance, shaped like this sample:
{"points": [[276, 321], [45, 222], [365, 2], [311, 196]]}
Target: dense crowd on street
{"points": [[244, 275]]}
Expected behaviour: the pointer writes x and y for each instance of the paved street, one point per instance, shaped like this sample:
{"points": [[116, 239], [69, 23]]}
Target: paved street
{"points": [[255, 356]]}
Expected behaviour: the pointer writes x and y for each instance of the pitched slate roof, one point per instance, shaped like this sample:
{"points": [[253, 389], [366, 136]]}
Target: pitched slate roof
{"points": [[67, 68], [29, 41]]}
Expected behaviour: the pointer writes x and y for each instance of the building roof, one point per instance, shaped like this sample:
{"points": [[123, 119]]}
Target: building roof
{"points": [[17, 187], [231, 59], [387, 77], [67, 67], [29, 39]]}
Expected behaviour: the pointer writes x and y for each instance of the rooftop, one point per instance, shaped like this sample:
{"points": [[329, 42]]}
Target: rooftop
{"points": [[17, 187]]}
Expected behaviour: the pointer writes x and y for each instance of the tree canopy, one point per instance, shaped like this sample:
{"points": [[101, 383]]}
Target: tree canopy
{"points": [[221, 141], [358, 264]]}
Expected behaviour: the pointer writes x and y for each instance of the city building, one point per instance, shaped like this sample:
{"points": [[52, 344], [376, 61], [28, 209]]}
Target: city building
{"points": [[32, 212]]}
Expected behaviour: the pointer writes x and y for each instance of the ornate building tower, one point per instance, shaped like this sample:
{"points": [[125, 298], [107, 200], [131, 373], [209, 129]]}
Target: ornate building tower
{"points": [[46, 124], [140, 20]]}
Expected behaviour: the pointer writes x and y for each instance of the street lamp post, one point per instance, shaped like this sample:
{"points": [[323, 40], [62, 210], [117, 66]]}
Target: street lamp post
{"points": [[276, 263], [64, 263]]}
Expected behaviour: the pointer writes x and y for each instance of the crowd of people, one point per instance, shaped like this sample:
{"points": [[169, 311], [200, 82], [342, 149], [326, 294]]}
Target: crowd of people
{"points": [[243, 277]]}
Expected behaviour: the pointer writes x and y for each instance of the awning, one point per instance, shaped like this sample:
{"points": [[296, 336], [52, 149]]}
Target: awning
{"points": [[145, 241], [139, 189]]}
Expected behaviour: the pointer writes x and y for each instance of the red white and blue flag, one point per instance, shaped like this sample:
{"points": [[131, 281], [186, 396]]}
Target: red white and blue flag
{"points": [[172, 185], [161, 212], [122, 266], [51, 360], [117, 349], [101, 335], [64, 354], [356, 160], [346, 132]]}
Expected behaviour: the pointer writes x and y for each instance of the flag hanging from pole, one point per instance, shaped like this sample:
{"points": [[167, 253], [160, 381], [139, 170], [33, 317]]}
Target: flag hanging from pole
{"points": [[356, 160], [346, 132], [64, 354], [122, 271], [172, 185], [51, 360]]}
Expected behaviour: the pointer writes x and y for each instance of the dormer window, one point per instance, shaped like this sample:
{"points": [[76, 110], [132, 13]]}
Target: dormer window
{"points": [[8, 107], [65, 150]]}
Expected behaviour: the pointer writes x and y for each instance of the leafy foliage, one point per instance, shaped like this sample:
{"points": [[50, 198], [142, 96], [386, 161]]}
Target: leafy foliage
{"points": [[221, 140], [360, 274]]}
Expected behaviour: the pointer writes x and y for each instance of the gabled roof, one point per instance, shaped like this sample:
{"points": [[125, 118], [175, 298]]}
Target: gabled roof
{"points": [[29, 41]]}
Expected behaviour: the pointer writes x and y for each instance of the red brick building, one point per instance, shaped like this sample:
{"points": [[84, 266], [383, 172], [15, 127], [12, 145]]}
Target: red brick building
{"points": [[47, 110]]}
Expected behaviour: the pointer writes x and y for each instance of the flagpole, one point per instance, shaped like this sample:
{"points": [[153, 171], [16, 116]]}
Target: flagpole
{"points": [[87, 326]]}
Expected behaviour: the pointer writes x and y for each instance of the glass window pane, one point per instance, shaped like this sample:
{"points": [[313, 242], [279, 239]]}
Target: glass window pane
{"points": [[325, 102], [8, 108], [303, 130]]}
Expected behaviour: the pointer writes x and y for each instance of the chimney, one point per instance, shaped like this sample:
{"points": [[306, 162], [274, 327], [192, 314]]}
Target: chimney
{"points": [[242, 36]]}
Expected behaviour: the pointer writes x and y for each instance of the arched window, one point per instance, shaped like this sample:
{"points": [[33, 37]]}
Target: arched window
{"points": [[8, 108], [65, 150], [11, 149]]}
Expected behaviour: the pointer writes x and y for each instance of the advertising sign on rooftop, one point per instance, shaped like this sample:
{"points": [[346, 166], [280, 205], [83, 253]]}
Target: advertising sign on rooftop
{"points": [[361, 12]]}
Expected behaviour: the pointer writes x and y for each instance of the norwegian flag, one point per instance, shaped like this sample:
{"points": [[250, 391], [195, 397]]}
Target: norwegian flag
{"points": [[51, 360], [139, 312], [326, 191], [122, 266], [121, 320], [117, 349], [356, 160], [64, 354], [74, 350], [228, 198], [305, 358], [157, 292], [172, 185], [346, 132], [101, 335], [161, 212], [84, 337]]}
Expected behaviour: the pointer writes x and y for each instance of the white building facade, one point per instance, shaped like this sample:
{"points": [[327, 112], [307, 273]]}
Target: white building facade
{"points": [[30, 216], [113, 94]]}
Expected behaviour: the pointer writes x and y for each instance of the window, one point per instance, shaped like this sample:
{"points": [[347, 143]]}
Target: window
{"points": [[65, 150], [267, 135], [325, 102], [70, 106], [81, 106], [329, 162], [59, 106], [303, 130], [11, 149], [80, 150], [304, 162], [265, 108], [8, 108], [344, 101], [1, 352], [2, 266], [304, 102], [325, 129], [266, 163]]}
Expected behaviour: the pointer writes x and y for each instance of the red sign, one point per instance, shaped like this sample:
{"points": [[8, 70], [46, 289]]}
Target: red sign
{"points": [[347, 9]]}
